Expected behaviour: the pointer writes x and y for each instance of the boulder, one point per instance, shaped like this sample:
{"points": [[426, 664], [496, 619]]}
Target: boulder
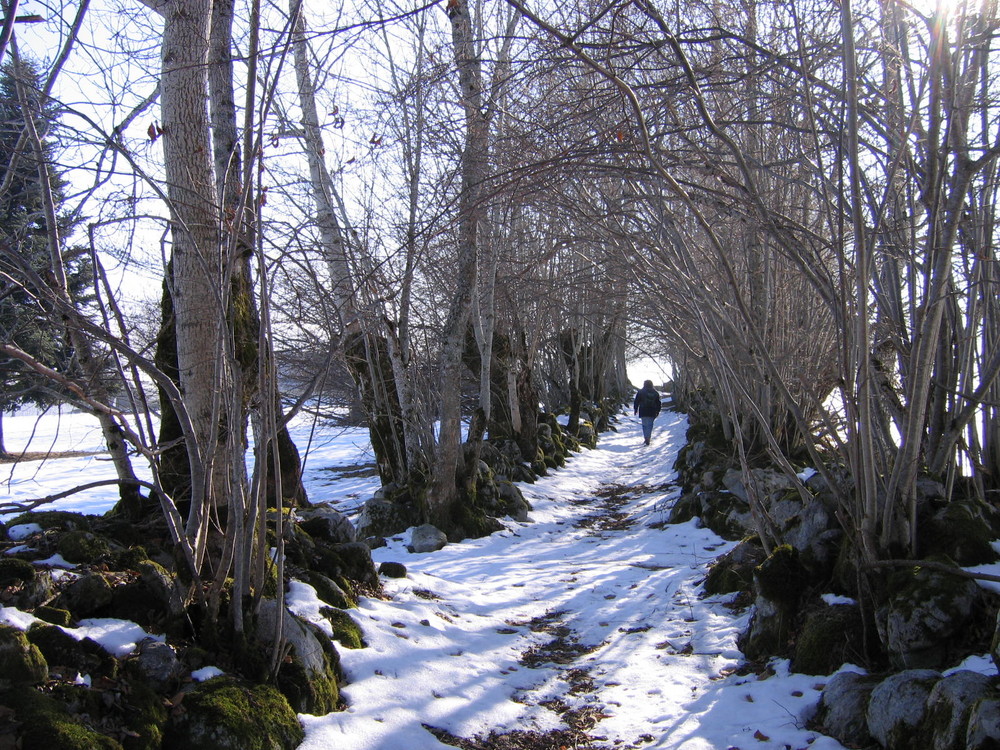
{"points": [[26, 586], [842, 708], [60, 649], [734, 570], [983, 732], [392, 570], [830, 636], [898, 707], [949, 706], [427, 538], [963, 530], [157, 662], [924, 610], [323, 522], [21, 662], [345, 630], [227, 714], [309, 678], [87, 596]]}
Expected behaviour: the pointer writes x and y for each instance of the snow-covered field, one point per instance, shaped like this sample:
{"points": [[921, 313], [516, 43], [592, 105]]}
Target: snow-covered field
{"points": [[592, 611]]}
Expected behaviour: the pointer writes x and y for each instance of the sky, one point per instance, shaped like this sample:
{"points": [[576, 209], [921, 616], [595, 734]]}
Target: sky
{"points": [[463, 642]]}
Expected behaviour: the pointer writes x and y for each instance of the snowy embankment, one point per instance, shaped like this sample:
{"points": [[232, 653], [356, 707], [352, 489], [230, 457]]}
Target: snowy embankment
{"points": [[592, 613]]}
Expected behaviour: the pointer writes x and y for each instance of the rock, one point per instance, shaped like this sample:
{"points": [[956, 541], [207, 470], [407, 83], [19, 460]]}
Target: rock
{"points": [[21, 662], [392, 570], [60, 649], [511, 501], [962, 530], [829, 637], [726, 514], [925, 609], [157, 663], [228, 714], [27, 587], [734, 570], [357, 563], [44, 723], [427, 538], [330, 591], [15, 572], [983, 731], [898, 706], [86, 596], [323, 522], [995, 645], [309, 679], [82, 547], [345, 630], [779, 582], [949, 706], [842, 708], [379, 517]]}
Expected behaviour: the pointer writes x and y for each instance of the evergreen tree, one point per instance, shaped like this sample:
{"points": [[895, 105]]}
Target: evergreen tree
{"points": [[24, 319]]}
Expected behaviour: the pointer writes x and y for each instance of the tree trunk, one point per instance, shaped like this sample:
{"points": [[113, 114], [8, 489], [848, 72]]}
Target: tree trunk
{"points": [[449, 464]]}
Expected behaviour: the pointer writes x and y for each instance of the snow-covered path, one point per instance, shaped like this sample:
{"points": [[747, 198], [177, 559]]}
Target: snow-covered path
{"points": [[589, 616]]}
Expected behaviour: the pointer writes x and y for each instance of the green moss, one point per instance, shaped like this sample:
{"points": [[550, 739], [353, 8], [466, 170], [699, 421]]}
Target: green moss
{"points": [[21, 663], [228, 714], [82, 547], [345, 630], [14, 571], [781, 578], [54, 615], [47, 725]]}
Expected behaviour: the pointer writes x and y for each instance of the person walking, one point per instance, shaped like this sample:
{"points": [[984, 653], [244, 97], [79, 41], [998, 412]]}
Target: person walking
{"points": [[647, 406]]}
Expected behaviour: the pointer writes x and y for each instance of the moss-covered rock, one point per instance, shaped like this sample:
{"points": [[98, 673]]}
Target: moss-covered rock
{"points": [[782, 577], [392, 570], [81, 546], [734, 571], [949, 707], [87, 596], [54, 615], [924, 613], [310, 677], [830, 636], [54, 519], [46, 724], [963, 531], [129, 559], [345, 630], [59, 648], [228, 714], [15, 572], [686, 507], [21, 663], [330, 591]]}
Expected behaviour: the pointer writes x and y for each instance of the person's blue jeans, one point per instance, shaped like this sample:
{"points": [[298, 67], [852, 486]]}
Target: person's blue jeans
{"points": [[647, 428]]}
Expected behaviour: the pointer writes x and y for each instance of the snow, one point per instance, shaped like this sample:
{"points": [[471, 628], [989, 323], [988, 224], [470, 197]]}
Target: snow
{"points": [[594, 605]]}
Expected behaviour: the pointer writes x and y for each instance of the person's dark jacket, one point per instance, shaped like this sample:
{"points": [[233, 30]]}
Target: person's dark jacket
{"points": [[647, 402]]}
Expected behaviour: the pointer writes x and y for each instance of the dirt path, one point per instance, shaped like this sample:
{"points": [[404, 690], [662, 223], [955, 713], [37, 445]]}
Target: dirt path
{"points": [[585, 628]]}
